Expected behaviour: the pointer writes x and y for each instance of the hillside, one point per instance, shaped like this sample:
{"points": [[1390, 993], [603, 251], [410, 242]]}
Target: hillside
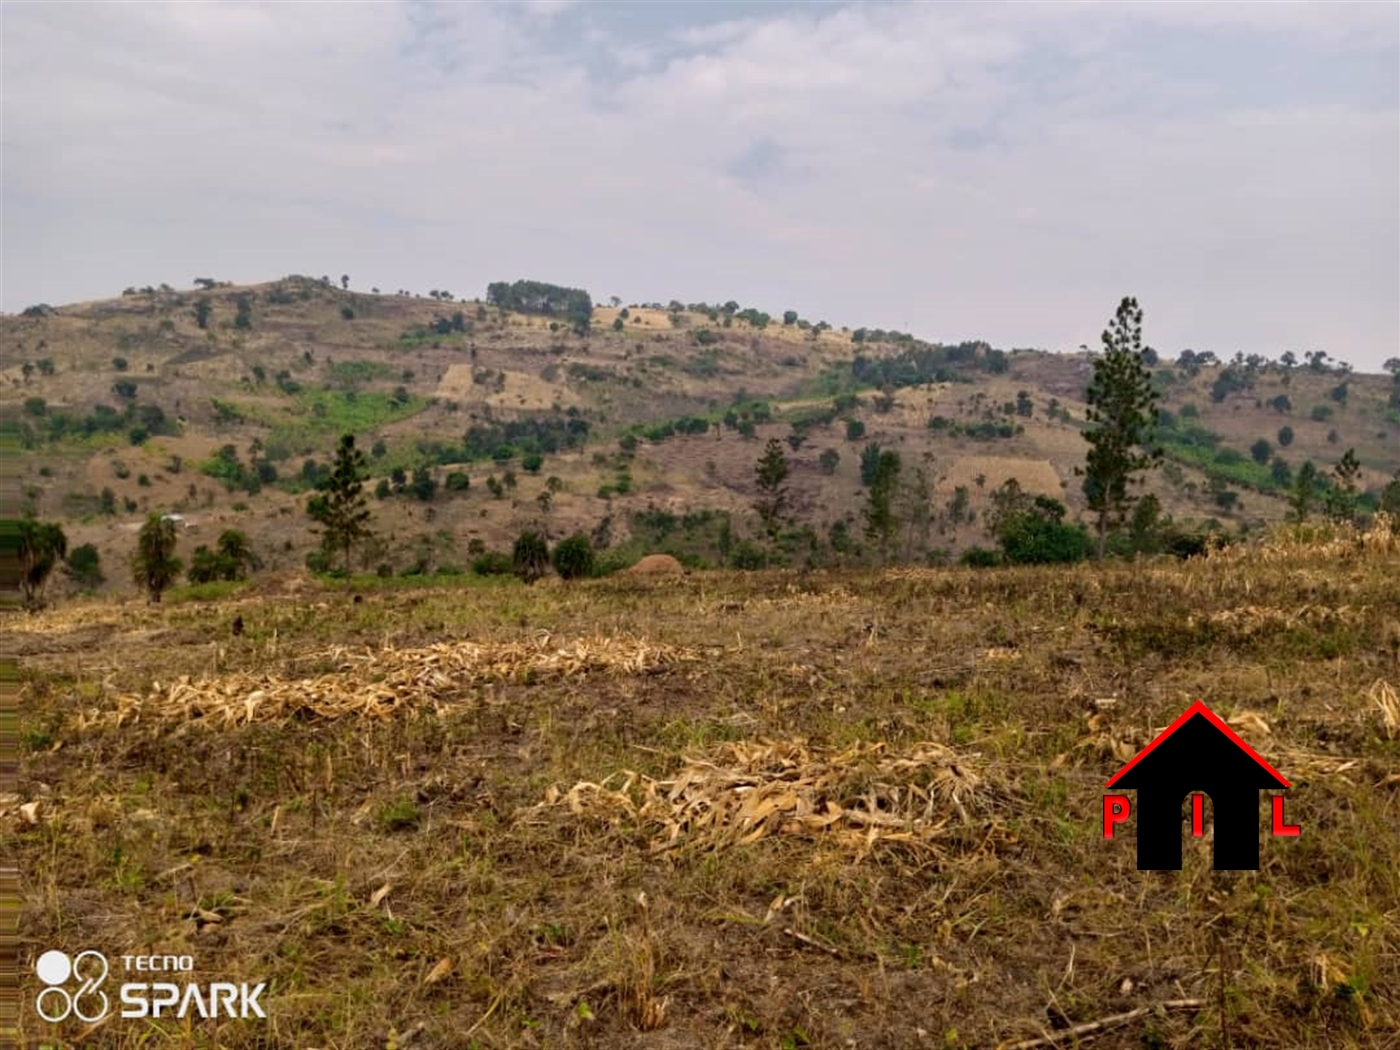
{"points": [[647, 428]]}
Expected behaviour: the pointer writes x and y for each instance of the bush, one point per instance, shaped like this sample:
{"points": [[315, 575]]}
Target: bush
{"points": [[1032, 540], [979, 558], [573, 557], [748, 555], [457, 481], [492, 563]]}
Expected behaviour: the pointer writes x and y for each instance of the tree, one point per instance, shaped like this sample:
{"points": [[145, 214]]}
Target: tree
{"points": [[829, 459], [530, 556], [342, 508], [789, 317], [1340, 500], [237, 552], [84, 567], [1304, 494], [1122, 413], [39, 546], [345, 282], [573, 557], [1261, 450], [880, 523], [153, 564], [1032, 531], [1390, 497], [869, 463], [532, 461], [202, 309], [772, 471], [424, 485], [1285, 436], [243, 318]]}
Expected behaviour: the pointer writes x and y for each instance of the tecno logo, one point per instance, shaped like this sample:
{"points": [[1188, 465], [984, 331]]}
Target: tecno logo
{"points": [[74, 988], [56, 1002]]}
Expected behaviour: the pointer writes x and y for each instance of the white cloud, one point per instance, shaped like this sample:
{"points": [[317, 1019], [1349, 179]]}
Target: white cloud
{"points": [[998, 170]]}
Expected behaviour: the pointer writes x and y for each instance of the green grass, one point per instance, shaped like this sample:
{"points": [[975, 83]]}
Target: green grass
{"points": [[315, 417], [355, 372]]}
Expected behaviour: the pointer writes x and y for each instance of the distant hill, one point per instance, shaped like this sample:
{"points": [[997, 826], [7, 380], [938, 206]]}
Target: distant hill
{"points": [[640, 425]]}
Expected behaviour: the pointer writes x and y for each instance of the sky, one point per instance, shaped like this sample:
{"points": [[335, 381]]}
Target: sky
{"points": [[998, 171]]}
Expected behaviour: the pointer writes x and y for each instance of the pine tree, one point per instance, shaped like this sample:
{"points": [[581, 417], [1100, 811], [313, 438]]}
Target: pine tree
{"points": [[772, 471], [343, 509], [1122, 412], [1301, 499], [880, 521], [1340, 500]]}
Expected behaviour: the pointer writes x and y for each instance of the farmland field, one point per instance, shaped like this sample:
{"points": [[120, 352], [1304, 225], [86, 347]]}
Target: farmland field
{"points": [[716, 810]]}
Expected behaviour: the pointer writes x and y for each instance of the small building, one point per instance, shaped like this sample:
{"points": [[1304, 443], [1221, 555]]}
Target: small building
{"points": [[1198, 752]]}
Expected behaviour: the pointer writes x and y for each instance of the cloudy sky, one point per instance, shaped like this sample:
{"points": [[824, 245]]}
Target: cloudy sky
{"points": [[998, 171]]}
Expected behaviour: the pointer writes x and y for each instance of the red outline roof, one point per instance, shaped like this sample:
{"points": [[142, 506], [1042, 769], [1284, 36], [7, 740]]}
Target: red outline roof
{"points": [[1198, 708]]}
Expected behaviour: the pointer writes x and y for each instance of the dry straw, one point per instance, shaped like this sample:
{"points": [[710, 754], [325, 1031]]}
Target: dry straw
{"points": [[744, 792], [382, 682]]}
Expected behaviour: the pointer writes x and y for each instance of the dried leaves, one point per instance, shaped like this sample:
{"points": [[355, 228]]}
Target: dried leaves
{"points": [[745, 792], [381, 683]]}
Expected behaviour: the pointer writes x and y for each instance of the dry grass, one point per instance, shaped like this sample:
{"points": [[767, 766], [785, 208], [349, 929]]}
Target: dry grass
{"points": [[717, 810]]}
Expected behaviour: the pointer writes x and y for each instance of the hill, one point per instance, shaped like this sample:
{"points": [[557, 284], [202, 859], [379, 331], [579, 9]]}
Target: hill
{"points": [[640, 425]]}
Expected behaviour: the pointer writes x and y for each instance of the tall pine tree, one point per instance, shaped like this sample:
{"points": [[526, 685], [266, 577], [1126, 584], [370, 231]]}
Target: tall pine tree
{"points": [[1122, 413], [342, 509], [772, 503]]}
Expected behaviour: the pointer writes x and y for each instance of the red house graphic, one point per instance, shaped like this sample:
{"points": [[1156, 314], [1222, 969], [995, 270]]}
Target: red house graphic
{"points": [[1196, 753]]}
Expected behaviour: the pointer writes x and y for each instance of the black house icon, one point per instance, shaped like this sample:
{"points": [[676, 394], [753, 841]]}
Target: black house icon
{"points": [[1198, 752]]}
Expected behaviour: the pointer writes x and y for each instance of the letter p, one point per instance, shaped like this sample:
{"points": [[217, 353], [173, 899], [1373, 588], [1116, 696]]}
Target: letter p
{"points": [[1116, 809]]}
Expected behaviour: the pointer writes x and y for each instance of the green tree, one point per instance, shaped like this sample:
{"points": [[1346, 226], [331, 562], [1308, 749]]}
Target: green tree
{"points": [[880, 521], [772, 502], [530, 557], [869, 463], [341, 509], [532, 461], [1261, 450], [243, 318], [84, 567], [829, 459], [573, 557], [1146, 526], [1390, 497], [154, 566], [39, 546], [424, 485], [202, 309], [1285, 436], [1122, 413], [1304, 494], [1340, 500]]}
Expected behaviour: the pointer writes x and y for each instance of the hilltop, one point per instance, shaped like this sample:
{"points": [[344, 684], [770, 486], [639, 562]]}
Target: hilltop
{"points": [[639, 424]]}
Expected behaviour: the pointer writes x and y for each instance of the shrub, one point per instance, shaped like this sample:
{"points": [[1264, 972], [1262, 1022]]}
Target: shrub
{"points": [[573, 557], [979, 558], [530, 556], [492, 563]]}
